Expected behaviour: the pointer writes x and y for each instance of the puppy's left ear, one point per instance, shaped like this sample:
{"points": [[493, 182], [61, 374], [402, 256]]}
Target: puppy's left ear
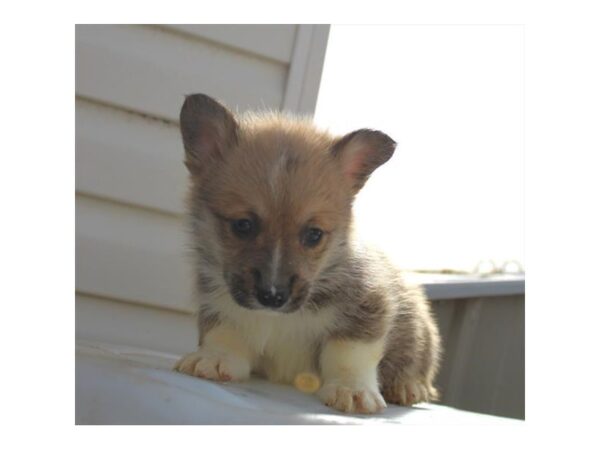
{"points": [[209, 131], [361, 152]]}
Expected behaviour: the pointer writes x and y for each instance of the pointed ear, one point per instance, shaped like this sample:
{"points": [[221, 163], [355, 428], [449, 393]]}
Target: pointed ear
{"points": [[361, 152], [208, 130]]}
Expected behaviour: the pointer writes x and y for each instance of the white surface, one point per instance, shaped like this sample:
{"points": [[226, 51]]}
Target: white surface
{"points": [[124, 385]]}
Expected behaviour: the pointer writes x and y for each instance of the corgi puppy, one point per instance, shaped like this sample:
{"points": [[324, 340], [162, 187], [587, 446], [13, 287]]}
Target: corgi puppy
{"points": [[284, 286]]}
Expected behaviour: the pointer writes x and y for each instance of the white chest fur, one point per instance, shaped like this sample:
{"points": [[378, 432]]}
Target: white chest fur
{"points": [[283, 345]]}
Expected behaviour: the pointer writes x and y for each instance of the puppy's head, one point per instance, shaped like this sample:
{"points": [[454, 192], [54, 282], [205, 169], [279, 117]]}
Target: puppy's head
{"points": [[271, 199]]}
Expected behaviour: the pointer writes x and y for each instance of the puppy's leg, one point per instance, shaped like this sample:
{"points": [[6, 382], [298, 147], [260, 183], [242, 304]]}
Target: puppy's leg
{"points": [[223, 356], [349, 372], [410, 364]]}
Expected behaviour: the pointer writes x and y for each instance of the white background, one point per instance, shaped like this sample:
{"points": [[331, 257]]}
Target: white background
{"points": [[452, 97]]}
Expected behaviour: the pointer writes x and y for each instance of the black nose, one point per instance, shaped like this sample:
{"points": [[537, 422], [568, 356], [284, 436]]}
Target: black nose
{"points": [[270, 299]]}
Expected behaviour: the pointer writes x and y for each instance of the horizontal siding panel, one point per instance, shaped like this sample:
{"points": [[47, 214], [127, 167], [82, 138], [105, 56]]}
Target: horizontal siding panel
{"points": [[150, 70], [132, 254], [129, 158], [273, 41], [102, 320]]}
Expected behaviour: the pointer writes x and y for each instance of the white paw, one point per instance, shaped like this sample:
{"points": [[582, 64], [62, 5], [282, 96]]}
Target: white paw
{"points": [[352, 399], [214, 365]]}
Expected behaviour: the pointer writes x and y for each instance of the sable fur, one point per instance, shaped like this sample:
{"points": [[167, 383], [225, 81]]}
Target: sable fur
{"points": [[287, 175]]}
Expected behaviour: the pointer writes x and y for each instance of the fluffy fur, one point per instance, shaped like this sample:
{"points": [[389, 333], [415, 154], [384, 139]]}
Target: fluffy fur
{"points": [[273, 302]]}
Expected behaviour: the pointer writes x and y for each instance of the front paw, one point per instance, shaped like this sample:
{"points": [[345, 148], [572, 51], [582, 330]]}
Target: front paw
{"points": [[352, 399], [214, 365], [409, 392]]}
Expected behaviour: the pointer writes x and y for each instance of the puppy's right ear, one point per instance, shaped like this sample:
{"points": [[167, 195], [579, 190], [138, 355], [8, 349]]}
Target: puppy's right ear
{"points": [[208, 130]]}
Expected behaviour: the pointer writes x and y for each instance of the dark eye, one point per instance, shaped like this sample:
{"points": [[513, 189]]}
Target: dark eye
{"points": [[243, 227], [312, 237]]}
